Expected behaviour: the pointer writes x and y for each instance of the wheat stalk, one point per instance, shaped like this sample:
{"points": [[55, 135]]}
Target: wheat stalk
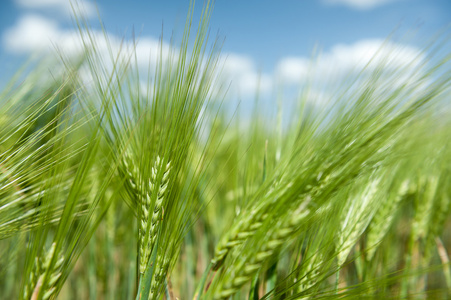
{"points": [[440, 212]]}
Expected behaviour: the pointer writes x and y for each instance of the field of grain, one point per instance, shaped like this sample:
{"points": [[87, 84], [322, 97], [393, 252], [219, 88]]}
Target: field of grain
{"points": [[114, 190]]}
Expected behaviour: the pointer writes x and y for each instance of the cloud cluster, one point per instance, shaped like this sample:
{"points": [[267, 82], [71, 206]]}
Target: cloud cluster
{"points": [[83, 7], [359, 4], [31, 33], [34, 33], [245, 79], [343, 59]]}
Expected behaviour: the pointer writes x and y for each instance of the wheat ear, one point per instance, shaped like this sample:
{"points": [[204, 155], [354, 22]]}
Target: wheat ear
{"points": [[245, 228], [427, 189], [383, 219], [131, 171], [357, 216], [149, 221], [244, 270], [159, 276], [309, 272], [37, 276], [237, 235]]}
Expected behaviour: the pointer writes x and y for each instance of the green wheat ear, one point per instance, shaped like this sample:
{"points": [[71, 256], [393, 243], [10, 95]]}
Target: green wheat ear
{"points": [[41, 270], [310, 272], [357, 216], [246, 227], [241, 231], [131, 172], [244, 271], [162, 268], [149, 221], [384, 217]]}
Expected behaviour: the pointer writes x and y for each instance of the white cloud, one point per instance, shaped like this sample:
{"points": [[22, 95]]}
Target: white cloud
{"points": [[245, 79], [395, 64], [359, 4], [32, 33], [148, 50], [374, 52], [344, 59], [292, 70], [36, 34], [83, 7]]}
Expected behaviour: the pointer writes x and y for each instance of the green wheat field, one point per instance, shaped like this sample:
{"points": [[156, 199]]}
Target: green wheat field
{"points": [[111, 189]]}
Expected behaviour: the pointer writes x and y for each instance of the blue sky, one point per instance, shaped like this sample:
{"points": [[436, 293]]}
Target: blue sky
{"points": [[263, 38]]}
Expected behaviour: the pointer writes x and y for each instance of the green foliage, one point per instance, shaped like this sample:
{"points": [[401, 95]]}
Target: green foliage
{"points": [[113, 190]]}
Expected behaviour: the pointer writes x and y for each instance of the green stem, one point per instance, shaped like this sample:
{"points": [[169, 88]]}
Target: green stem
{"points": [[200, 288], [145, 279], [253, 292], [337, 280], [445, 261], [166, 290]]}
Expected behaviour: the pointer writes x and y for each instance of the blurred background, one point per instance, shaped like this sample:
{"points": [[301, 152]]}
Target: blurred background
{"points": [[266, 43]]}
